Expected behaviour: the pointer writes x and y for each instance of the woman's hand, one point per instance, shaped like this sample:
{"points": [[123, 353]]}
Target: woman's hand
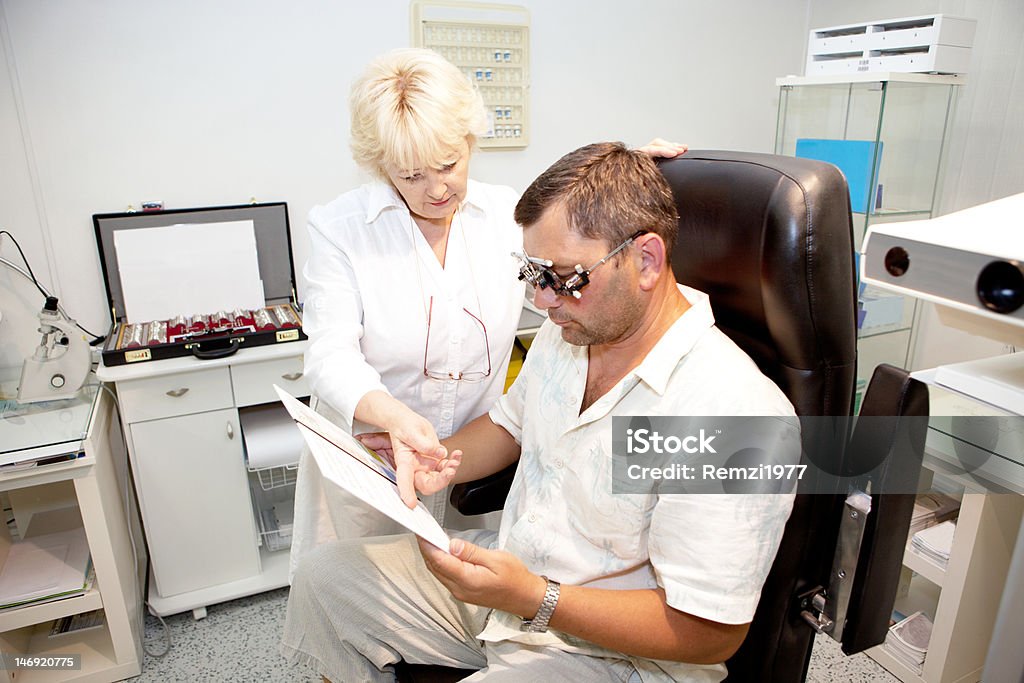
{"points": [[419, 465], [663, 148]]}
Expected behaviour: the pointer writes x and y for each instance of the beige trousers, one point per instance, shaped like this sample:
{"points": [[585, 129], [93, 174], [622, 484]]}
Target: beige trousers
{"points": [[356, 607]]}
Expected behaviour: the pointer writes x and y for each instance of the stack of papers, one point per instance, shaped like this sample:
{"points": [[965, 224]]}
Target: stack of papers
{"points": [[932, 508], [46, 567], [935, 542], [907, 641]]}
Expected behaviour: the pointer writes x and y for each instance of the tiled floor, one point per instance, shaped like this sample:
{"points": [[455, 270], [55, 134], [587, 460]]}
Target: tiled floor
{"points": [[237, 641]]}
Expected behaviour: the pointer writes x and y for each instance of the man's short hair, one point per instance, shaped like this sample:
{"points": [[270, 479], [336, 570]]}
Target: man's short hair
{"points": [[412, 106], [607, 191]]}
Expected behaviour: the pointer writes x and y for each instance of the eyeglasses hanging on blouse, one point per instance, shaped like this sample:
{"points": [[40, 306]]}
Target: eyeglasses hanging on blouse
{"points": [[475, 323]]}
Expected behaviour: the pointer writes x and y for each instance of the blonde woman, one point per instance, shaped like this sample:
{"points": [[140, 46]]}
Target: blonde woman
{"points": [[412, 301]]}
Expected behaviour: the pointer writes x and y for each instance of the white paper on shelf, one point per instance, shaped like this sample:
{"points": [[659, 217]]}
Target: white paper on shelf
{"points": [[270, 437], [188, 269], [913, 633], [350, 465], [44, 566], [907, 641], [937, 540]]}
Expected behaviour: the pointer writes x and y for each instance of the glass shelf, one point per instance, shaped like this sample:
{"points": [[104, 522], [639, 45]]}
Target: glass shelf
{"points": [[889, 135], [35, 430]]}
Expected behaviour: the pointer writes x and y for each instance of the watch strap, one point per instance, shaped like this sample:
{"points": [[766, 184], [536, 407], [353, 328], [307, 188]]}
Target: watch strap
{"points": [[539, 623]]}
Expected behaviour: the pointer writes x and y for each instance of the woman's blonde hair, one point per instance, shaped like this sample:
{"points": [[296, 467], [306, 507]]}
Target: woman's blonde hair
{"points": [[411, 107]]}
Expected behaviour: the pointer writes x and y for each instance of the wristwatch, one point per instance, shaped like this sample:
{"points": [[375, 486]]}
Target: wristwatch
{"points": [[539, 623]]}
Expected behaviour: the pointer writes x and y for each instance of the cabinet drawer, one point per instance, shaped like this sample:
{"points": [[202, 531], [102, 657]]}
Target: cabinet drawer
{"points": [[254, 382], [152, 398]]}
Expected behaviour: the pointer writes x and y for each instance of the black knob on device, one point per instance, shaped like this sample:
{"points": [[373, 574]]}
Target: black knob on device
{"points": [[1001, 286]]}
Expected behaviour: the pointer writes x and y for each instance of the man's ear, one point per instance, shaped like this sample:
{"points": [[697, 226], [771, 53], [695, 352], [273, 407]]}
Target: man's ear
{"points": [[651, 249]]}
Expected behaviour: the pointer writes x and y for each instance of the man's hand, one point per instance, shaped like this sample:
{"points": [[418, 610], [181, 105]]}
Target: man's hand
{"points": [[490, 578], [663, 148], [427, 472]]}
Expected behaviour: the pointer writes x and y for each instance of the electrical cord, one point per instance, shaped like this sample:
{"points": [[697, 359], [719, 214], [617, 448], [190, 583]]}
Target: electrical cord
{"points": [[135, 553], [27, 264], [29, 275]]}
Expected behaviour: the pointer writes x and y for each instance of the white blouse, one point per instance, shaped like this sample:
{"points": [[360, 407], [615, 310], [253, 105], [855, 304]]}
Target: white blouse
{"points": [[373, 280]]}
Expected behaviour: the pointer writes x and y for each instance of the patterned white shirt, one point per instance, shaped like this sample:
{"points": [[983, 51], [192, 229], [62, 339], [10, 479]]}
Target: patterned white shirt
{"points": [[709, 552]]}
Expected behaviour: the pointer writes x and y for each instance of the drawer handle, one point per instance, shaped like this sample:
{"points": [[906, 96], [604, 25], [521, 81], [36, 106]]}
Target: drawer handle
{"points": [[292, 376], [177, 393], [231, 431]]}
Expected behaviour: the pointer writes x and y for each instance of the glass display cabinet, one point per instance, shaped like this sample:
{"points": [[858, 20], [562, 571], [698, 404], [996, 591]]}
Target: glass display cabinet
{"points": [[889, 134]]}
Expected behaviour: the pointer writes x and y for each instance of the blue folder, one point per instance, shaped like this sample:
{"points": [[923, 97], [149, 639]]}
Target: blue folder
{"points": [[854, 158]]}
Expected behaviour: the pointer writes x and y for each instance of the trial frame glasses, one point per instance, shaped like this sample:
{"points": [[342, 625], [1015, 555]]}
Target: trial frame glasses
{"points": [[538, 272]]}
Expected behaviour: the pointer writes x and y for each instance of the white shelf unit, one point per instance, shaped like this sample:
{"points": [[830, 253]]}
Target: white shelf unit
{"points": [[966, 593], [186, 448], [95, 483]]}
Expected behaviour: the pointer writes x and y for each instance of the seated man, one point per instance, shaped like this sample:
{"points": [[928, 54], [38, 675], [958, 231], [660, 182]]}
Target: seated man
{"points": [[580, 583]]}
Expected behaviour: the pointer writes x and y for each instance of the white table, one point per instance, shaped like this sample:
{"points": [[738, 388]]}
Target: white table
{"points": [[90, 488]]}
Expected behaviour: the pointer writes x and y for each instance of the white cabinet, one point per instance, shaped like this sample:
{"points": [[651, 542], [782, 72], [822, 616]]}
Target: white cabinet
{"points": [[196, 495], [194, 466], [93, 491]]}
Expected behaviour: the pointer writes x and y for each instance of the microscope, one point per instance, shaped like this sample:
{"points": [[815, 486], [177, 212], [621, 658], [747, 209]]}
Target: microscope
{"points": [[60, 363]]}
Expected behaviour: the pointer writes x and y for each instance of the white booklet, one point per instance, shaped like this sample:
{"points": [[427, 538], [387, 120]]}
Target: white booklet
{"points": [[360, 471]]}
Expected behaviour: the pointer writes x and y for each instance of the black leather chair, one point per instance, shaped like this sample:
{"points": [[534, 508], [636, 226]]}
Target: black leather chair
{"points": [[770, 239]]}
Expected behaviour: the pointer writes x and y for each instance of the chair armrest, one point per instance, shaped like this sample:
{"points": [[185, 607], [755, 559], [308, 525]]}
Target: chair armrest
{"points": [[483, 495]]}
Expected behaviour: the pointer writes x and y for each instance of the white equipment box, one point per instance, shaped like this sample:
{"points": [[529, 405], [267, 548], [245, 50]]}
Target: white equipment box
{"points": [[930, 44]]}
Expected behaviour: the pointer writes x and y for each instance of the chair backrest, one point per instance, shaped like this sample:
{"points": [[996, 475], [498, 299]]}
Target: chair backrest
{"points": [[770, 238]]}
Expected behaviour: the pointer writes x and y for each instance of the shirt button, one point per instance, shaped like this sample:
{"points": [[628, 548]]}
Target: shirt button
{"points": [[533, 517], [559, 464]]}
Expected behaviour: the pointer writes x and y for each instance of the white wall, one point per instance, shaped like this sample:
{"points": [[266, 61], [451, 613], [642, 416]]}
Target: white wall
{"points": [[987, 144], [202, 103]]}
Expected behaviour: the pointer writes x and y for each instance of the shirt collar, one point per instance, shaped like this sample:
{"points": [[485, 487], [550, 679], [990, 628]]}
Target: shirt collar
{"points": [[384, 196], [681, 337]]}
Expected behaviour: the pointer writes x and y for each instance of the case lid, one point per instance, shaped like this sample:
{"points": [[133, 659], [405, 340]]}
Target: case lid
{"points": [[273, 244]]}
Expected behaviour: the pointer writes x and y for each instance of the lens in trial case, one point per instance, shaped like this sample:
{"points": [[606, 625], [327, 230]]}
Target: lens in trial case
{"points": [[156, 333], [264, 320], [285, 316]]}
